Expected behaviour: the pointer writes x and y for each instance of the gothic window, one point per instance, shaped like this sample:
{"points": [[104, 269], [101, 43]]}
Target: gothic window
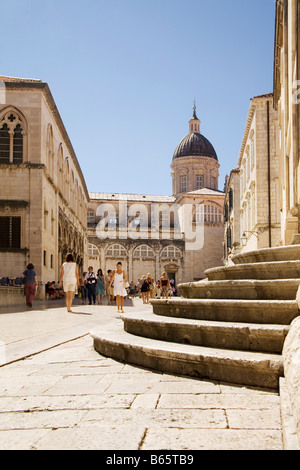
{"points": [[18, 145], [143, 251], [4, 144], [11, 138], [50, 152], [10, 232], [60, 168]]}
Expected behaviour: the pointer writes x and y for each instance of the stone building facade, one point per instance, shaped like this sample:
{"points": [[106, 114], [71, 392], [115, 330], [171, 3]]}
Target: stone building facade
{"points": [[180, 234], [287, 103], [43, 202], [259, 177], [232, 232], [252, 211]]}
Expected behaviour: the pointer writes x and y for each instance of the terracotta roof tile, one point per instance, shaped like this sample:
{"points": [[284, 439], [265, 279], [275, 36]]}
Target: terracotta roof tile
{"points": [[3, 78]]}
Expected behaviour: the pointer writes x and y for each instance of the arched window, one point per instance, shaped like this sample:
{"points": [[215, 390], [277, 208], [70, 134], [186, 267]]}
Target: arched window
{"points": [[209, 214], [60, 168], [4, 144], [18, 145], [50, 152], [11, 138], [171, 252], [143, 251], [93, 251], [116, 251]]}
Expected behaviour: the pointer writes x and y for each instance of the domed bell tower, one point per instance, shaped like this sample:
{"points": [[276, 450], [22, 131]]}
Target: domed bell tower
{"points": [[195, 163]]}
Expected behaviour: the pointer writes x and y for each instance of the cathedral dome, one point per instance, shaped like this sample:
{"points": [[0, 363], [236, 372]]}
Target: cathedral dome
{"points": [[195, 144]]}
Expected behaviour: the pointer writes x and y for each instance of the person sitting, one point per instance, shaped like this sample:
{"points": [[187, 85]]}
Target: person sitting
{"points": [[18, 282], [4, 281]]}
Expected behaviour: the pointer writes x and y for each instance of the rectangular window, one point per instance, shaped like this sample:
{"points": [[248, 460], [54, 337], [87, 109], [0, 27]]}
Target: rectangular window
{"points": [[90, 217], [229, 238], [183, 184], [10, 232], [199, 182], [45, 258]]}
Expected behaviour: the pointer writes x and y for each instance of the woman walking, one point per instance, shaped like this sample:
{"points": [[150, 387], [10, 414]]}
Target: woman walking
{"points": [[165, 286], [100, 286], [118, 278], [30, 284], [69, 279], [109, 288]]}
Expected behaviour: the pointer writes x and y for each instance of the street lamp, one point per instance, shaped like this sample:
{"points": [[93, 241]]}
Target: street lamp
{"points": [[244, 237]]}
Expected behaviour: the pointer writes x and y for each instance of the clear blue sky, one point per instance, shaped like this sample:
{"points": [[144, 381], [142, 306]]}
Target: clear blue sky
{"points": [[124, 75]]}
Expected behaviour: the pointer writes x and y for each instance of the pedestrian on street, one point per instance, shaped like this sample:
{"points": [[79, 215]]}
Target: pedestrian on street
{"points": [[91, 282], [82, 288], [165, 286], [109, 288], [69, 279], [144, 289], [100, 286], [30, 278], [119, 278]]}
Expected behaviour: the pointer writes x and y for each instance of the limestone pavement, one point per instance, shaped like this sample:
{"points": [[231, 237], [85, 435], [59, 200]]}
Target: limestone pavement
{"points": [[57, 392]]}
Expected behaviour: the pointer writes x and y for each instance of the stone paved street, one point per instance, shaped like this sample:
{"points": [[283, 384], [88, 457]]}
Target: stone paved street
{"points": [[59, 393]]}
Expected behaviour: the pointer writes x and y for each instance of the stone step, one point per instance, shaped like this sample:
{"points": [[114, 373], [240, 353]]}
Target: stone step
{"points": [[227, 335], [239, 367], [281, 253], [282, 289], [263, 271], [232, 310]]}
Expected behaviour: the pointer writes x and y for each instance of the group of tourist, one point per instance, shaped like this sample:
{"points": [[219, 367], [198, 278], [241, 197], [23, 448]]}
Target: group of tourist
{"points": [[7, 282], [53, 290], [149, 289], [92, 287]]}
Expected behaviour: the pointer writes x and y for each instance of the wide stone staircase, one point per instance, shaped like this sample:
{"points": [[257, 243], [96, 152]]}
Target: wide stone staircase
{"points": [[229, 327]]}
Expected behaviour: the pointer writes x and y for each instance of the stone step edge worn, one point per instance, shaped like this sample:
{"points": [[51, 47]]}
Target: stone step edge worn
{"points": [[269, 270], [277, 289], [229, 335], [236, 310], [281, 253], [240, 283], [239, 367]]}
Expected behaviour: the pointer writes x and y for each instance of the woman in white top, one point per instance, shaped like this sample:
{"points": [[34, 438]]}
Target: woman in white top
{"points": [[69, 278], [118, 278]]}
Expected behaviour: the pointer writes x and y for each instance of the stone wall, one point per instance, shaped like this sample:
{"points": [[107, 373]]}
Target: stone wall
{"points": [[11, 296], [291, 360]]}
